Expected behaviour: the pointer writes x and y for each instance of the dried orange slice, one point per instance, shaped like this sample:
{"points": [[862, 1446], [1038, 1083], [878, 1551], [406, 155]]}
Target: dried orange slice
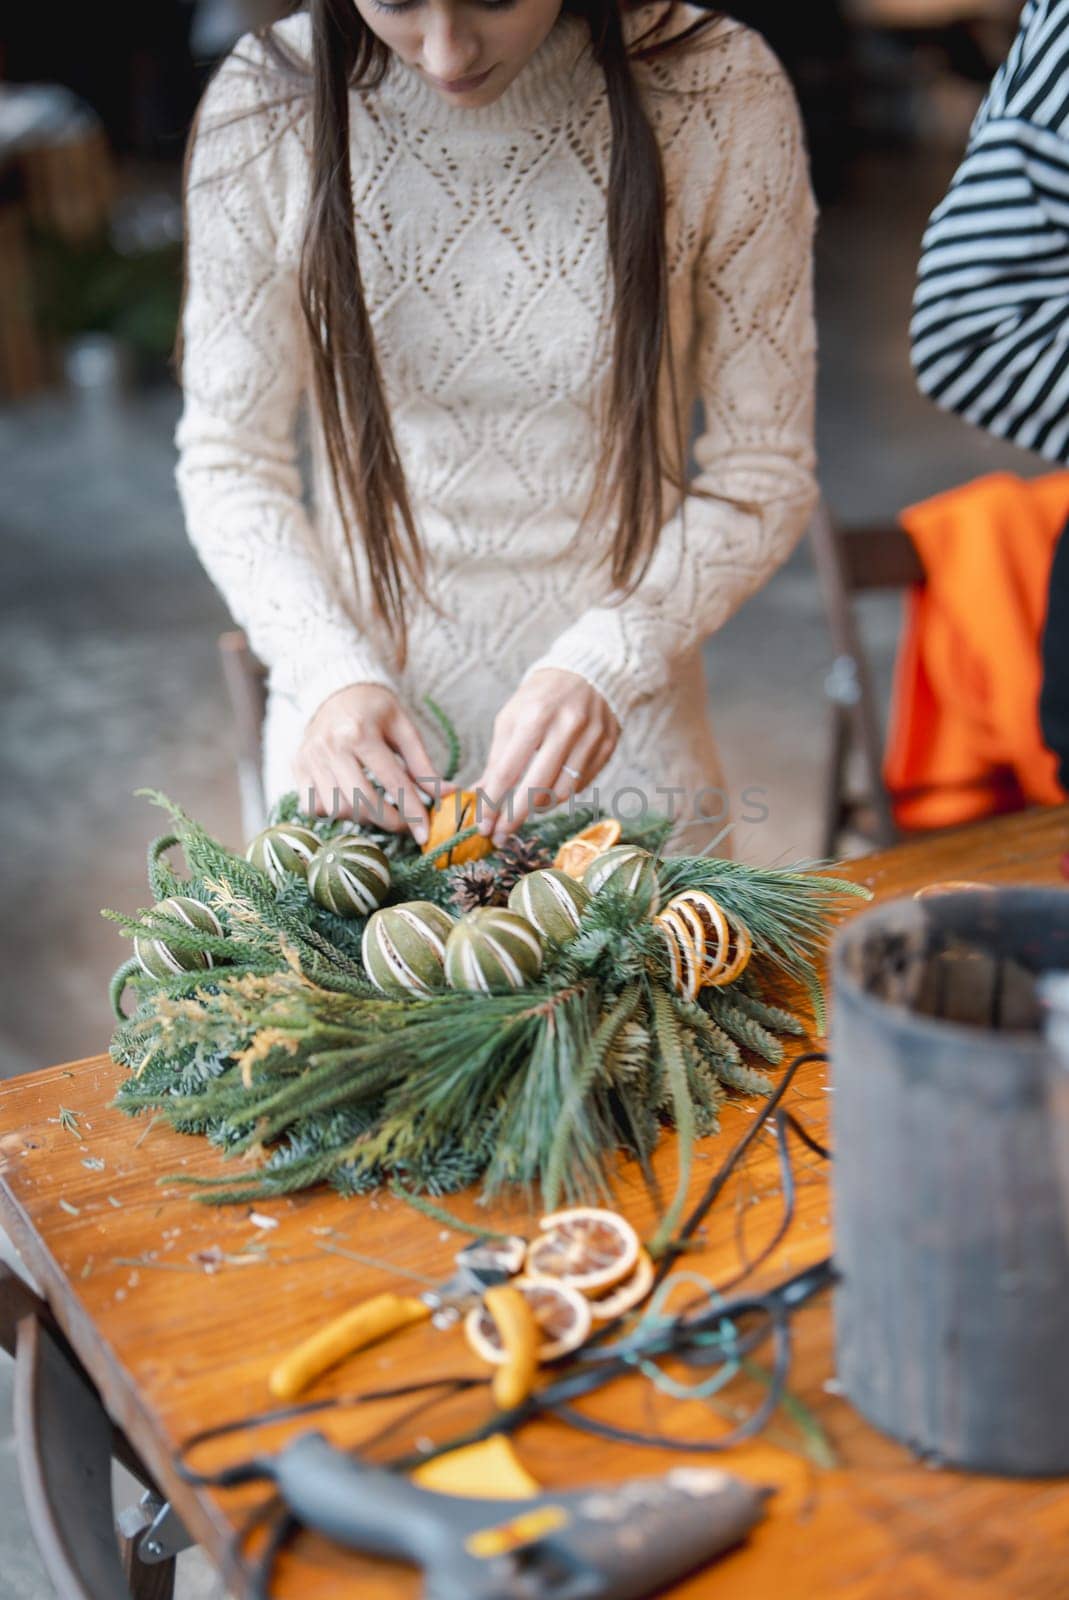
{"points": [[626, 1295], [675, 958], [562, 1314], [683, 955], [723, 945], [603, 834], [574, 856], [576, 853], [736, 959], [706, 918], [586, 1248]]}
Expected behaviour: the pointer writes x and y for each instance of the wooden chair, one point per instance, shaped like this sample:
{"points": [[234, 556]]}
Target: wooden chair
{"points": [[64, 1445], [246, 685], [852, 561]]}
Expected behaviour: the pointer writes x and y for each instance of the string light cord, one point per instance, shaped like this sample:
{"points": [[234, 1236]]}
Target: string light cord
{"points": [[711, 1329]]}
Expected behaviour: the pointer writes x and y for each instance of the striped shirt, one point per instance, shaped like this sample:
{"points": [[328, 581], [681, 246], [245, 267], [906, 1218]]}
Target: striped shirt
{"points": [[990, 328]]}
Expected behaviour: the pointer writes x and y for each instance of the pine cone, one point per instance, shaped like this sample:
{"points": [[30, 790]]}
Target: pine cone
{"points": [[476, 884], [519, 856]]}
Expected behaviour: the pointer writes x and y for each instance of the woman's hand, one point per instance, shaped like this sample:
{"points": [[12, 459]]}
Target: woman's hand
{"points": [[555, 721], [362, 733]]}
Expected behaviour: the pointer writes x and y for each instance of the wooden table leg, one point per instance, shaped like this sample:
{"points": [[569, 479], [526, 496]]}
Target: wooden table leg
{"points": [[144, 1582]]}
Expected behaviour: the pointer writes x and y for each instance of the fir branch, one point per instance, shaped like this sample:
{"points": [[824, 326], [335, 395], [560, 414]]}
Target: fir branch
{"points": [[637, 1129], [716, 1043], [552, 828], [588, 1068], [255, 916], [747, 1080], [417, 878], [746, 1030], [447, 846], [529, 1107], [774, 1018], [436, 1213], [163, 880], [118, 985], [628, 1053], [173, 931]]}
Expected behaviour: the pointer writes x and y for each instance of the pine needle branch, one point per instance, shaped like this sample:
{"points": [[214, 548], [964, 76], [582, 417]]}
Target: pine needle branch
{"points": [[118, 985], [449, 734], [162, 878], [589, 1068], [666, 1033], [745, 1030]]}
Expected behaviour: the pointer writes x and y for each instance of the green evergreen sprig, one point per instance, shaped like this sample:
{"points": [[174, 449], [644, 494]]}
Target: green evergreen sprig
{"points": [[284, 1055]]}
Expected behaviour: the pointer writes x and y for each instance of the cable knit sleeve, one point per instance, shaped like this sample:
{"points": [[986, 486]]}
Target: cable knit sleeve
{"points": [[244, 373], [755, 369]]}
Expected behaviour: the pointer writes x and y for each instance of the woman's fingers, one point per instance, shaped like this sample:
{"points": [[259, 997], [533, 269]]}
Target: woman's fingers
{"points": [[545, 783], [344, 789], [313, 792], [401, 797], [499, 804], [406, 740], [555, 718], [363, 757]]}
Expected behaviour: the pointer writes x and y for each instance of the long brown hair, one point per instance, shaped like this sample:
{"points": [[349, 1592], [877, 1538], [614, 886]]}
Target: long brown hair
{"points": [[368, 479]]}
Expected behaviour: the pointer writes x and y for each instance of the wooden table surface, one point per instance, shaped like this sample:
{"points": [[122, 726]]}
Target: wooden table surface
{"points": [[176, 1341]]}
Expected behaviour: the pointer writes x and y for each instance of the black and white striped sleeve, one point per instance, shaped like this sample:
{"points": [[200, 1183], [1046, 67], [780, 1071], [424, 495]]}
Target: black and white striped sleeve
{"points": [[990, 327]]}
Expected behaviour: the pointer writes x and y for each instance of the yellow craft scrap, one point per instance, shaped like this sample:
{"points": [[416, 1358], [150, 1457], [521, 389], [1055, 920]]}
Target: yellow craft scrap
{"points": [[489, 1470], [520, 1338], [354, 1330]]}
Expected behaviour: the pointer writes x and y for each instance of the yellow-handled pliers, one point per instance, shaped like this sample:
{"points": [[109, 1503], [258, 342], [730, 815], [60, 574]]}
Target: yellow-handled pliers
{"points": [[481, 1266]]}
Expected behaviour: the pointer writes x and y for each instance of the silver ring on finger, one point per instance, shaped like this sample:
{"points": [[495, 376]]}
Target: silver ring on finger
{"points": [[572, 773]]}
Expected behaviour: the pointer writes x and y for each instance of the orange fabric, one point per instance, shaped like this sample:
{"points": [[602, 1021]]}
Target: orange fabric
{"points": [[964, 738]]}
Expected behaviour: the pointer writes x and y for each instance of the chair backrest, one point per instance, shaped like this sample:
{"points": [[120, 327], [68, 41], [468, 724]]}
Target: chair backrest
{"points": [[246, 684], [852, 561]]}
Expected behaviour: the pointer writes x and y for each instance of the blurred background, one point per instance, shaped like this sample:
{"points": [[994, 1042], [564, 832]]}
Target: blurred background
{"points": [[111, 671], [111, 667]]}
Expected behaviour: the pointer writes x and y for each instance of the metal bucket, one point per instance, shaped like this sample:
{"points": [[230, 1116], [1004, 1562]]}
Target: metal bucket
{"points": [[952, 1316]]}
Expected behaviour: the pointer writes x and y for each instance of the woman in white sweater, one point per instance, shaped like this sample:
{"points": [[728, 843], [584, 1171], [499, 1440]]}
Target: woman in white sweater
{"points": [[467, 236]]}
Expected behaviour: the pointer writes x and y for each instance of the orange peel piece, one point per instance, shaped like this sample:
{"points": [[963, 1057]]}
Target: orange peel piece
{"points": [[451, 815], [577, 852], [562, 1314]]}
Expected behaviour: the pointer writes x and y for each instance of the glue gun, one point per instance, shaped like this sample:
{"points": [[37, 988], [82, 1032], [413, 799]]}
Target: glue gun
{"points": [[618, 1543]]}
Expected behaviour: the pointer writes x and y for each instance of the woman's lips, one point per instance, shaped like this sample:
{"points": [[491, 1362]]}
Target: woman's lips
{"points": [[461, 85]]}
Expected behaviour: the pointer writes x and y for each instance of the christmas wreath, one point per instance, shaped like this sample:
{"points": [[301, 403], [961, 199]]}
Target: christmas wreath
{"points": [[334, 1004]]}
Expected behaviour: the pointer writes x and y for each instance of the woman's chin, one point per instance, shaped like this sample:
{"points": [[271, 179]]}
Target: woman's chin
{"points": [[481, 92]]}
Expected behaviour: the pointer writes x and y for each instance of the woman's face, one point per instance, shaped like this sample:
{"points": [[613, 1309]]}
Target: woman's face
{"points": [[468, 50]]}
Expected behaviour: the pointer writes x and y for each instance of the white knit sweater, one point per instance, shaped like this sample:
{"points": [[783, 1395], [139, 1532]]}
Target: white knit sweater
{"points": [[482, 242]]}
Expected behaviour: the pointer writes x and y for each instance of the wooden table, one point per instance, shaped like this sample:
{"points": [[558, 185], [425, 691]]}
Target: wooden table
{"points": [[173, 1343]]}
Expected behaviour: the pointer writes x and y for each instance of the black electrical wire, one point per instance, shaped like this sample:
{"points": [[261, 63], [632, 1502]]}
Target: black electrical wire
{"points": [[553, 1400], [594, 1364], [257, 1468]]}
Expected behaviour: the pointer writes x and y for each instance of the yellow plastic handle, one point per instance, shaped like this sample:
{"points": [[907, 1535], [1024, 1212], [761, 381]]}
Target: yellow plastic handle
{"points": [[511, 1311], [353, 1330]]}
